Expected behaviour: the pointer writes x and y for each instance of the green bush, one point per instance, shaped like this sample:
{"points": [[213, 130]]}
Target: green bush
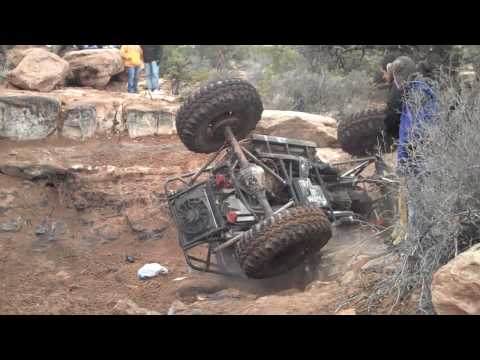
{"points": [[176, 62]]}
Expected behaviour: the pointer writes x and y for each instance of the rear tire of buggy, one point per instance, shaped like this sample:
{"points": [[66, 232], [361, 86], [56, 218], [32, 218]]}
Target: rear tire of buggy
{"points": [[362, 203], [340, 200], [360, 133], [217, 101], [282, 242]]}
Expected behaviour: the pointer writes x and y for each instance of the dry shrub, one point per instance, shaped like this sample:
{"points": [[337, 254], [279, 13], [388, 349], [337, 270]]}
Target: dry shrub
{"points": [[4, 68], [318, 92], [445, 194]]}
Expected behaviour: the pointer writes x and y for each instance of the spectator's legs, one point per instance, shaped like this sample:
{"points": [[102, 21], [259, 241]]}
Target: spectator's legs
{"points": [[131, 79], [155, 75], [137, 73], [148, 75]]}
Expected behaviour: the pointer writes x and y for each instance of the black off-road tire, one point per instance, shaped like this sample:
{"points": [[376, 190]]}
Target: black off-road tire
{"points": [[362, 203], [393, 112], [210, 105], [340, 200], [360, 134], [282, 242]]}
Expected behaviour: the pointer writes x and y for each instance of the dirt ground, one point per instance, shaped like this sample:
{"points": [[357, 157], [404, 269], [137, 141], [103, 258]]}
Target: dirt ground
{"points": [[67, 240], [70, 275]]}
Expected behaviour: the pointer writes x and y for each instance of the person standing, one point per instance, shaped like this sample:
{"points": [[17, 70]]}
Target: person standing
{"points": [[132, 56], [403, 73], [411, 85], [152, 55], [394, 102]]}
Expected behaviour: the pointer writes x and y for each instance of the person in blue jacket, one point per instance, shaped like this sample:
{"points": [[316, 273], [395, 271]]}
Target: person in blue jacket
{"points": [[419, 105], [418, 108]]}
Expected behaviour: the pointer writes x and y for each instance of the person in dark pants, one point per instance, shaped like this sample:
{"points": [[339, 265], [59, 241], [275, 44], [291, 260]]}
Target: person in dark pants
{"points": [[151, 56], [394, 103]]}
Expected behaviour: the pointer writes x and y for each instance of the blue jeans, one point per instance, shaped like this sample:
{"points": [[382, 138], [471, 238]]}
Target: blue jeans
{"points": [[133, 79], [152, 71]]}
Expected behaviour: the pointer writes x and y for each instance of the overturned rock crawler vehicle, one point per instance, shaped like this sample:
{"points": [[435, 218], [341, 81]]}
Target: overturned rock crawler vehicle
{"points": [[261, 205]]}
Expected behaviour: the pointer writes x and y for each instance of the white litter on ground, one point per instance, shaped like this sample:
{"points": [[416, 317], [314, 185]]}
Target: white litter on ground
{"points": [[151, 270]]}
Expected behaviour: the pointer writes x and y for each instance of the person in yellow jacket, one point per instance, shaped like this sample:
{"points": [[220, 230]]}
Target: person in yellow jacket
{"points": [[133, 59]]}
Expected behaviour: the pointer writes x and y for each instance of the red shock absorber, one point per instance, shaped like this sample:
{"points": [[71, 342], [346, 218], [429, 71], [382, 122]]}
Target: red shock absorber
{"points": [[232, 217], [220, 181]]}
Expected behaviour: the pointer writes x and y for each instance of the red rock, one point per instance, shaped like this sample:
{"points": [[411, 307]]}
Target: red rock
{"points": [[456, 285], [16, 54], [94, 68], [297, 125], [39, 70]]}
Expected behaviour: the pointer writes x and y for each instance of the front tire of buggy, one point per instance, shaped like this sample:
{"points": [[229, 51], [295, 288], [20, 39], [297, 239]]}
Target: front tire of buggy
{"points": [[199, 120], [282, 242]]}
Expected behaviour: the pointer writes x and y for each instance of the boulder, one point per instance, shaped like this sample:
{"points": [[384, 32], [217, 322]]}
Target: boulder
{"points": [[16, 54], [317, 128], [80, 121], [271, 116], [148, 119], [456, 285], [27, 117], [39, 70], [94, 68], [330, 155]]}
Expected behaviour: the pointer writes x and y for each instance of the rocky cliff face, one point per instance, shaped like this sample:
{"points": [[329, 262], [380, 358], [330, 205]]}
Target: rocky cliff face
{"points": [[27, 117]]}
